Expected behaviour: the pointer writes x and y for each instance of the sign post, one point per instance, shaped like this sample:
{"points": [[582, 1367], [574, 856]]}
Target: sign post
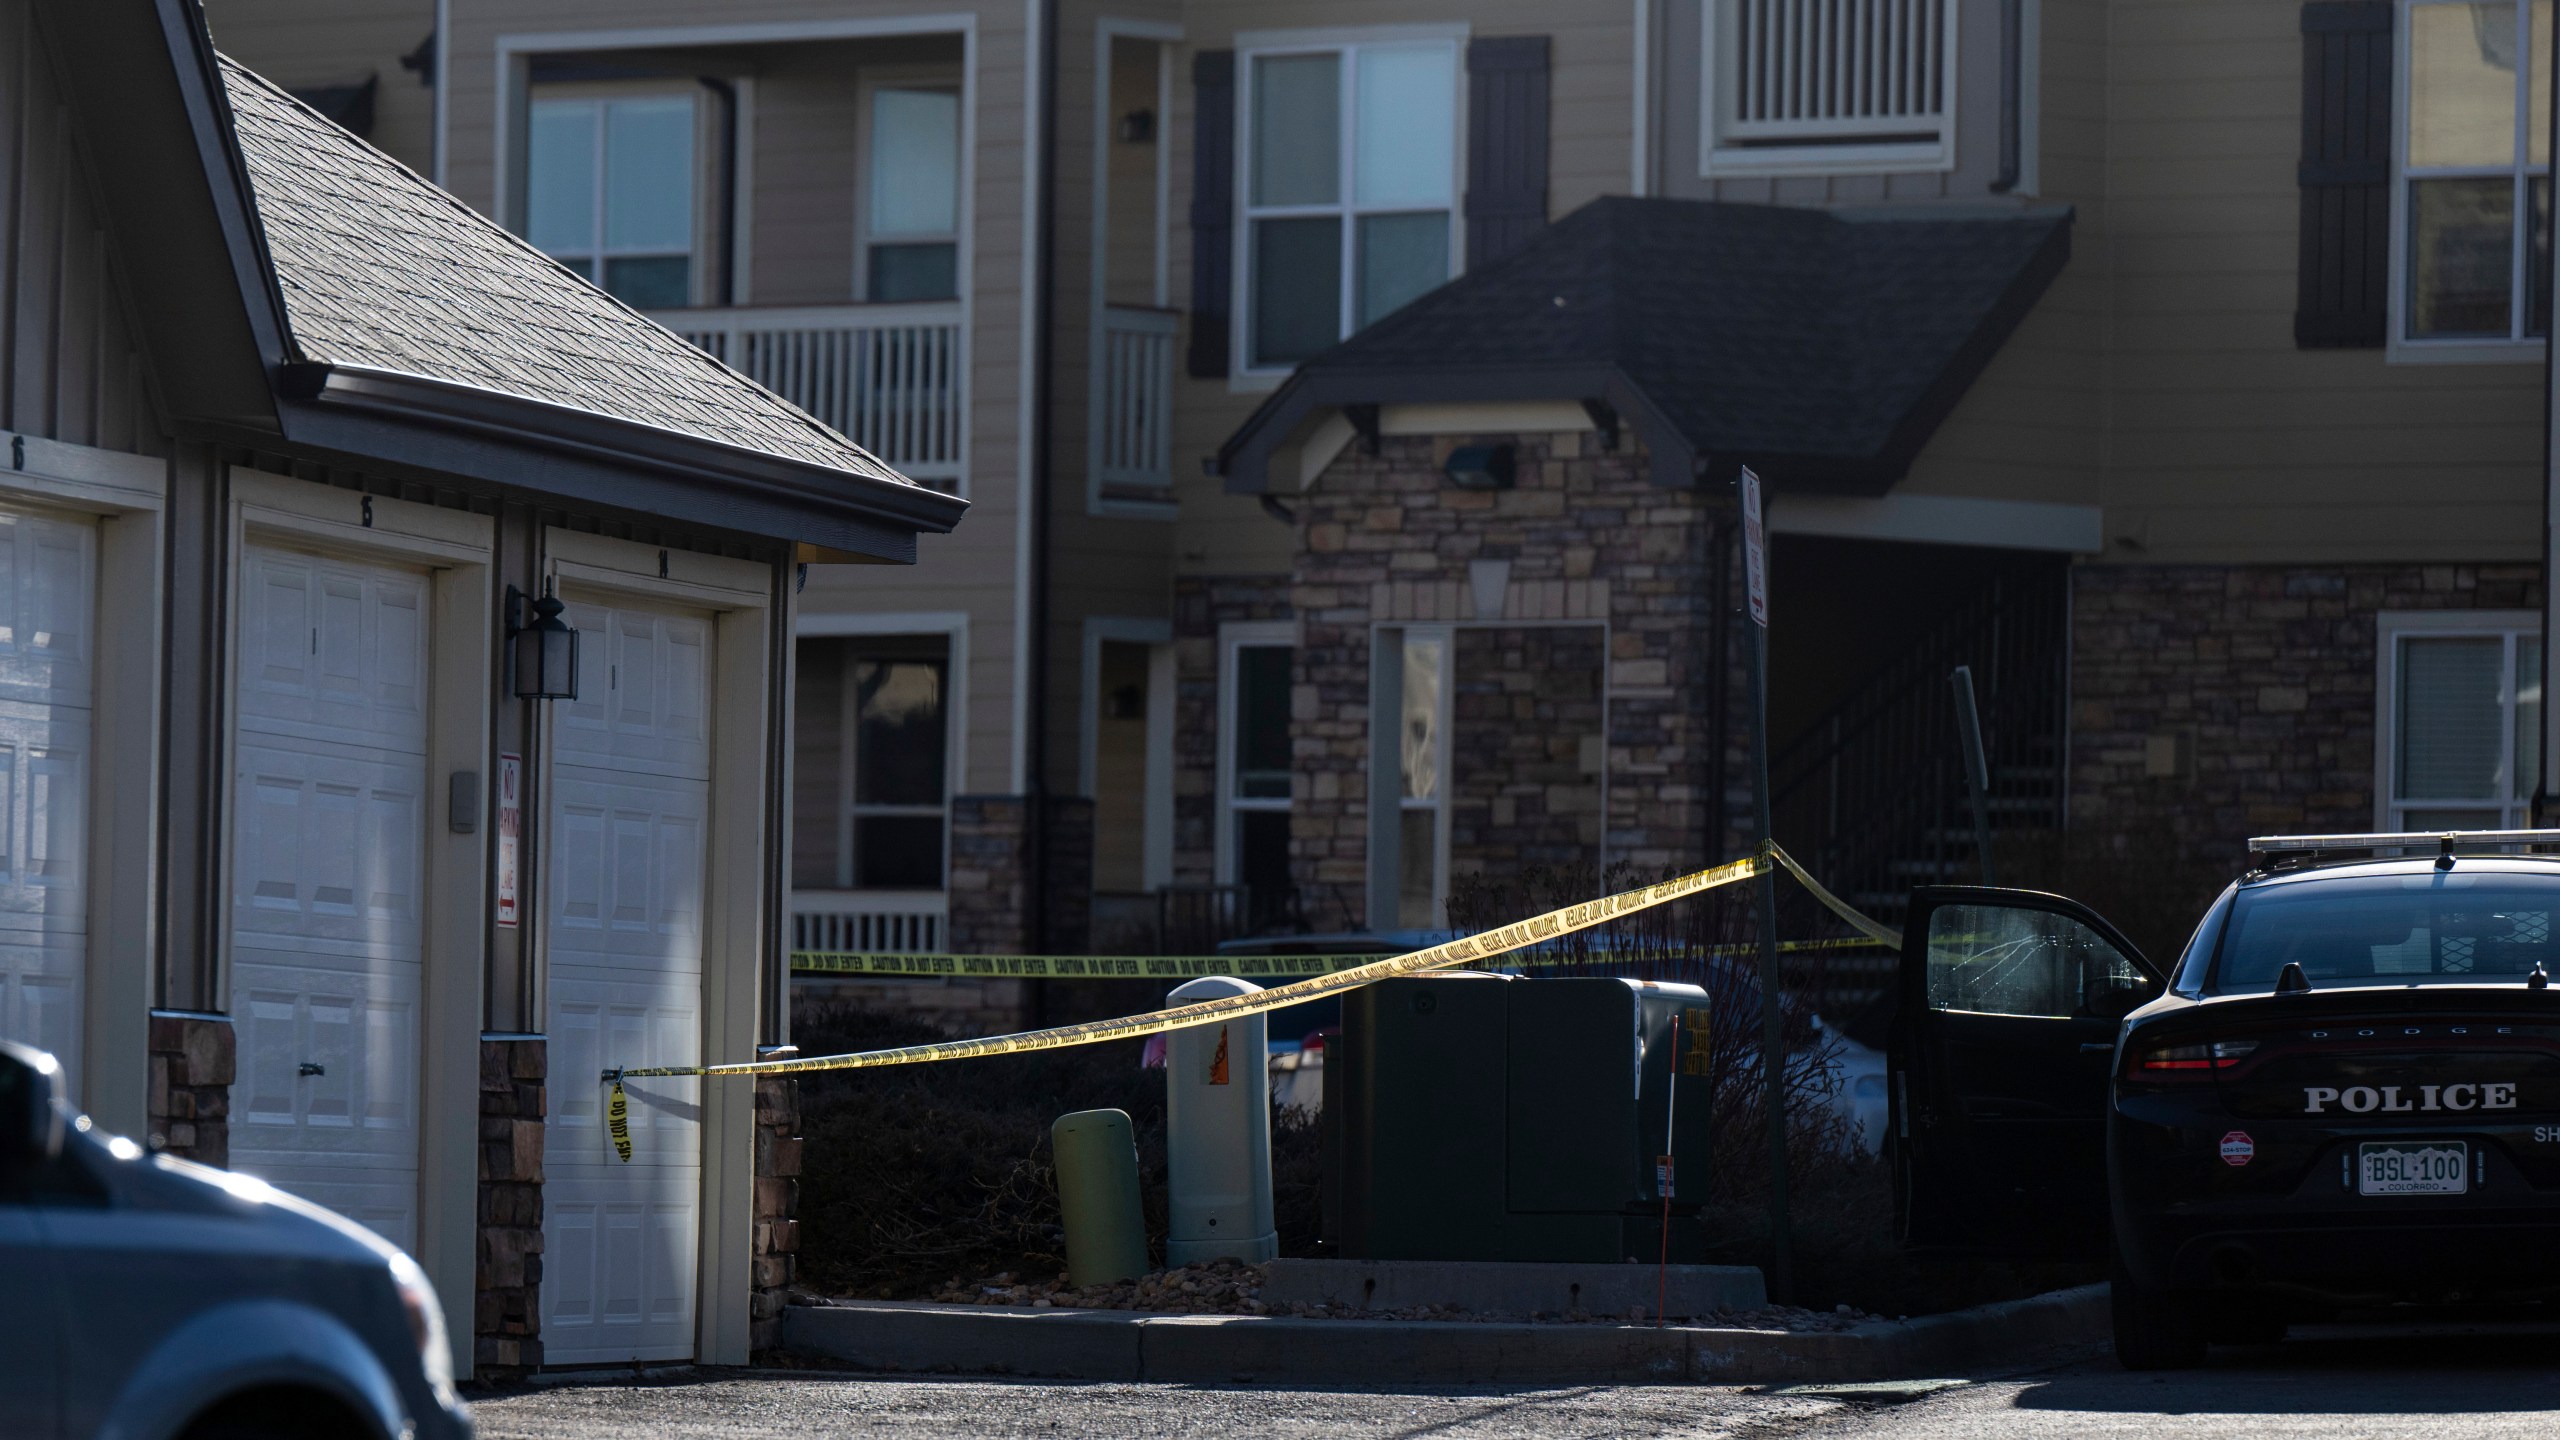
{"points": [[1773, 1027]]}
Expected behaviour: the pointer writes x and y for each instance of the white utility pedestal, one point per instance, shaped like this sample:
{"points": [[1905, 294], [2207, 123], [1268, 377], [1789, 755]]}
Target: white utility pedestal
{"points": [[1218, 1133]]}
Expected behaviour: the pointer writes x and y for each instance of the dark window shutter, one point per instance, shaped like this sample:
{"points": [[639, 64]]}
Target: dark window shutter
{"points": [[2344, 278], [1213, 207], [1506, 144]]}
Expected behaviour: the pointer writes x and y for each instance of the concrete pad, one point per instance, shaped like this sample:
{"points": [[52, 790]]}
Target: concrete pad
{"points": [[1387, 1354], [1512, 1287], [978, 1339]]}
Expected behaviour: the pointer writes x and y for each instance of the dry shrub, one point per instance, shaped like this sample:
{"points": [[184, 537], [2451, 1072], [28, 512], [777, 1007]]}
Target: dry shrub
{"points": [[916, 1174]]}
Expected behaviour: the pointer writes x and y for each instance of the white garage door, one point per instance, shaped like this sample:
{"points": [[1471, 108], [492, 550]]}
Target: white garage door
{"points": [[327, 877], [47, 602], [629, 794]]}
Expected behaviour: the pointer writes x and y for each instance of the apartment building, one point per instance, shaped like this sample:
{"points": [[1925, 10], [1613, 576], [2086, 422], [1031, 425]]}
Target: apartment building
{"points": [[1350, 398]]}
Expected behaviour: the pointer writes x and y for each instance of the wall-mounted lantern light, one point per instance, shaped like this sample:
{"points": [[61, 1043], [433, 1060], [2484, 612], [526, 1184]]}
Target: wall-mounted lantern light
{"points": [[1479, 467], [546, 648]]}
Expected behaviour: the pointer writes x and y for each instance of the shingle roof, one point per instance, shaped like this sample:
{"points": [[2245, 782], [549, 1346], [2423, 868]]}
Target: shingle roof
{"points": [[1761, 332], [382, 269]]}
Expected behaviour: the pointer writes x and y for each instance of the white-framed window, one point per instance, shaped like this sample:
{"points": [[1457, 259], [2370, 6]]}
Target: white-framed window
{"points": [[1256, 778], [609, 191], [1348, 172], [2472, 201], [1825, 86], [2458, 719], [873, 739], [911, 191]]}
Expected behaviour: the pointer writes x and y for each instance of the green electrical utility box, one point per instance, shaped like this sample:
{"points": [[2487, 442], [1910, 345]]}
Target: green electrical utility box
{"points": [[1482, 1117]]}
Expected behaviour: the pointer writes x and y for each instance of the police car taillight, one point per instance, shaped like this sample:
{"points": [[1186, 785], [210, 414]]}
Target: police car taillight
{"points": [[2172, 1062]]}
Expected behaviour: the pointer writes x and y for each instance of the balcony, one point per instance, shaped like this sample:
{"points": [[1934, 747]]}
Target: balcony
{"points": [[870, 922], [893, 377], [1133, 406]]}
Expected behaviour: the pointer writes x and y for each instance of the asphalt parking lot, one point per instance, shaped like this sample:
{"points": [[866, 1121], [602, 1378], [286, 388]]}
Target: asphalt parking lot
{"points": [[2445, 1384]]}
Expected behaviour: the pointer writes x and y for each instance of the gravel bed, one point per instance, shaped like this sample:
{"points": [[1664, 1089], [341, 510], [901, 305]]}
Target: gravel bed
{"points": [[1231, 1287]]}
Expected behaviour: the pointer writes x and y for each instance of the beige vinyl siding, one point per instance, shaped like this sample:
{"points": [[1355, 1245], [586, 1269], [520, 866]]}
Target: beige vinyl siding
{"points": [[801, 221], [69, 369], [303, 44], [1100, 565], [1590, 144], [972, 570], [2227, 443]]}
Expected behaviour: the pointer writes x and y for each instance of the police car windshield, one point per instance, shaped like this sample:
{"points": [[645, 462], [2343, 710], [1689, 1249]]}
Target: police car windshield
{"points": [[2441, 928]]}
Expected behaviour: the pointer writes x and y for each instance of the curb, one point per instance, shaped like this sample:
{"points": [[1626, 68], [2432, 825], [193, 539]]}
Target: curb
{"points": [[1390, 1354]]}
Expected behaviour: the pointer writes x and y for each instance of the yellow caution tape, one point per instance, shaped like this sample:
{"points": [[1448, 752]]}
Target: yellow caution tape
{"points": [[617, 1117], [1192, 967], [1519, 935], [1874, 929]]}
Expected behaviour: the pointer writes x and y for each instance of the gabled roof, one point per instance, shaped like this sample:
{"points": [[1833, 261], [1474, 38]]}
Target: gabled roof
{"points": [[1821, 347], [382, 269], [292, 282]]}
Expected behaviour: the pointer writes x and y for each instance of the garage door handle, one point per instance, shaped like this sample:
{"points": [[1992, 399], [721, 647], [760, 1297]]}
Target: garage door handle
{"points": [[2091, 1047], [310, 1069]]}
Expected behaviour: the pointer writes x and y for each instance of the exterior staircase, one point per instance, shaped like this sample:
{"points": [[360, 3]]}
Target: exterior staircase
{"points": [[1872, 796]]}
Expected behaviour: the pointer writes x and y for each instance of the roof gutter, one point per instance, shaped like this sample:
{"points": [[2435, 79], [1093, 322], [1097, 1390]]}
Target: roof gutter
{"points": [[519, 421]]}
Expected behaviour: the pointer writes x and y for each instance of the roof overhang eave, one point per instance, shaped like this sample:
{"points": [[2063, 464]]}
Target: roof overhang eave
{"points": [[1245, 460], [779, 482]]}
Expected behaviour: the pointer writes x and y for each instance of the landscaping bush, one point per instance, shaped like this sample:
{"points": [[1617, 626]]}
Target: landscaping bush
{"points": [[916, 1174]]}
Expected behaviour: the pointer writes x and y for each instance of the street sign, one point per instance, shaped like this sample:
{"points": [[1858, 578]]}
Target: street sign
{"points": [[1755, 549]]}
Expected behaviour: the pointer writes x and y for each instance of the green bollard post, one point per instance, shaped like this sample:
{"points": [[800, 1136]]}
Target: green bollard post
{"points": [[1098, 1197]]}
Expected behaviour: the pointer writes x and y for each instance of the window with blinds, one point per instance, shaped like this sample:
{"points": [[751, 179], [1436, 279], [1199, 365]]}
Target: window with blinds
{"points": [[1810, 85], [2465, 724]]}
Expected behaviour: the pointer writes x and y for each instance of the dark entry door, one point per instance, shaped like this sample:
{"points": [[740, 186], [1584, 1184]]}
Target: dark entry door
{"points": [[1999, 1060]]}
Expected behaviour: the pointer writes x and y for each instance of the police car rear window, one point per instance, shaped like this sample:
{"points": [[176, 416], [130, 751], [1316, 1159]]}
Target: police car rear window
{"points": [[2435, 928]]}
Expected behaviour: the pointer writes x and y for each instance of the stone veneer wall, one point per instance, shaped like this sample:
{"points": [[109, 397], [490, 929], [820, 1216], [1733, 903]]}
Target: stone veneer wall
{"points": [[989, 913], [1583, 538], [506, 1315], [1201, 604], [777, 1207], [1527, 732], [2269, 672], [193, 1061]]}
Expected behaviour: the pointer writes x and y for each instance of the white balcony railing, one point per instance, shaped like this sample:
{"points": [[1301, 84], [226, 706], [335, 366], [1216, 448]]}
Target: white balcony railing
{"points": [[1133, 403], [870, 922], [893, 377]]}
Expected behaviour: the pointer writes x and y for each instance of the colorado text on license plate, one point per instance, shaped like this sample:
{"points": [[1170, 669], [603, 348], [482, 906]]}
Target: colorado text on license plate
{"points": [[2386, 1169]]}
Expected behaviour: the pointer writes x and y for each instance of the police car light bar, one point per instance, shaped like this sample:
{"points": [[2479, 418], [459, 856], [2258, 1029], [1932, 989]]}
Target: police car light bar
{"points": [[2406, 840]]}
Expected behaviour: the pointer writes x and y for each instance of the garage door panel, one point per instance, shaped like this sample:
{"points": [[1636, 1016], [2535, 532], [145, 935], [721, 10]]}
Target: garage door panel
{"points": [[358, 1030], [40, 993], [328, 878], [643, 692], [46, 582], [330, 849], [627, 868], [44, 794], [629, 809], [47, 664], [333, 651]]}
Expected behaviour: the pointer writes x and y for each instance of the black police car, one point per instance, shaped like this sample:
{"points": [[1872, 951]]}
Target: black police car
{"points": [[2345, 1093]]}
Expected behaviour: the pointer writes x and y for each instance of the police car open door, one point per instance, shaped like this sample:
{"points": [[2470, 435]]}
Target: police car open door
{"points": [[2002, 1044]]}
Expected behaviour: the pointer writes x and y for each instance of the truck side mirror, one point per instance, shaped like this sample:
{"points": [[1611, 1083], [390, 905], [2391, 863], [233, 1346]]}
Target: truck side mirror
{"points": [[30, 1122]]}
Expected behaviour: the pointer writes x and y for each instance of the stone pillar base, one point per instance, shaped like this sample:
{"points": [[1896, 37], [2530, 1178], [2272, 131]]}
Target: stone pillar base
{"points": [[506, 1315], [192, 1065]]}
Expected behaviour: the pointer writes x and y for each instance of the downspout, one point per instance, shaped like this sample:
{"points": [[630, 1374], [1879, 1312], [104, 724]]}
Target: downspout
{"points": [[727, 289], [2012, 67], [1044, 304]]}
